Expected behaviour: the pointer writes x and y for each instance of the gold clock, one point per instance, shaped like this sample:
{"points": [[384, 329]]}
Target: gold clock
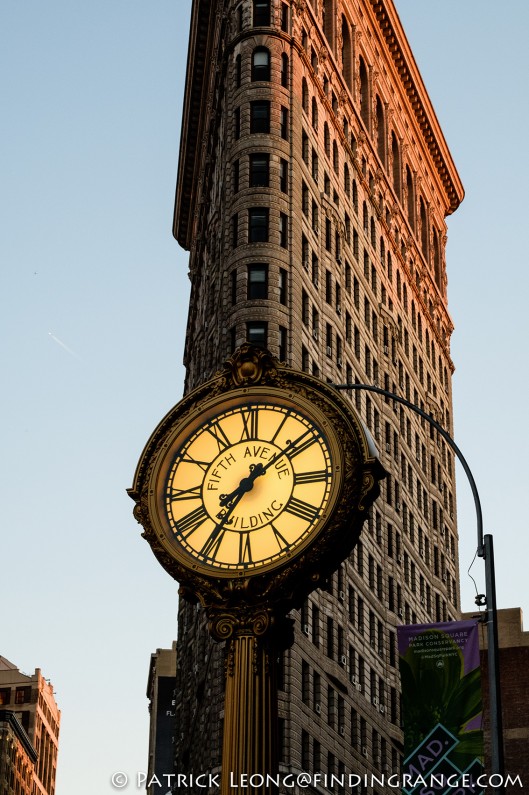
{"points": [[247, 482], [259, 471]]}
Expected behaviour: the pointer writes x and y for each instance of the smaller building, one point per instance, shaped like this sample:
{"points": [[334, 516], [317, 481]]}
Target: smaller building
{"points": [[514, 680], [29, 701], [161, 694]]}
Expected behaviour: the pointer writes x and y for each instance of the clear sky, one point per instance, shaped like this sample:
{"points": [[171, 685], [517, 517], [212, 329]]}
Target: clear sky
{"points": [[94, 294]]}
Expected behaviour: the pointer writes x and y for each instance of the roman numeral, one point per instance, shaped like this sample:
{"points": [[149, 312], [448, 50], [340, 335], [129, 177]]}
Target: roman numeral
{"points": [[276, 434], [192, 521], [211, 547], [250, 422], [184, 494], [301, 509], [245, 548], [188, 459], [310, 477], [282, 542], [220, 437], [302, 443]]}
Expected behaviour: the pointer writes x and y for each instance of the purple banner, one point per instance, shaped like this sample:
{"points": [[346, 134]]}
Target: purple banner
{"points": [[441, 706]]}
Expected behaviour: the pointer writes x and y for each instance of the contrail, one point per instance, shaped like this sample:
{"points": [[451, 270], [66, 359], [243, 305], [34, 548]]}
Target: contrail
{"points": [[66, 348]]}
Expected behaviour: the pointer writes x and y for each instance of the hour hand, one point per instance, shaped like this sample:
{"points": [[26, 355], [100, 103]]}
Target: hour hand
{"points": [[244, 486]]}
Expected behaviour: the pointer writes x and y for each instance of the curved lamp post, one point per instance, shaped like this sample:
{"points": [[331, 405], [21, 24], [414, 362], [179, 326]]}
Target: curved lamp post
{"points": [[485, 550]]}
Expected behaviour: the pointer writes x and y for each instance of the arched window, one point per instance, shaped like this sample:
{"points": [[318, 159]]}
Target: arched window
{"points": [[314, 113], [395, 156], [261, 64], [347, 51], [326, 139], [381, 132], [424, 228], [346, 179], [261, 13], [335, 157], [304, 95], [411, 198], [284, 70], [373, 233], [355, 196], [364, 93], [238, 71], [365, 218], [437, 260], [328, 14]]}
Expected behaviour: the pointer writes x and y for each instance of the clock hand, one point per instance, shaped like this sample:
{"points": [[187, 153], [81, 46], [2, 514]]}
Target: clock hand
{"points": [[291, 445], [244, 486]]}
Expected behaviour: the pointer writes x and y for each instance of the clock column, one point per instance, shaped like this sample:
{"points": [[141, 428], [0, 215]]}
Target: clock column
{"points": [[250, 753]]}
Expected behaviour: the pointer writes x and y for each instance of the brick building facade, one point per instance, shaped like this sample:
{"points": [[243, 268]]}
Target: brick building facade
{"points": [[30, 700], [313, 187]]}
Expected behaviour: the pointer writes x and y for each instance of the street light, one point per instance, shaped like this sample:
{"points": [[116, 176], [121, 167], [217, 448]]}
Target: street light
{"points": [[485, 550]]}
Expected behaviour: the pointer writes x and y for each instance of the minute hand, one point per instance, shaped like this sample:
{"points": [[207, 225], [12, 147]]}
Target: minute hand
{"points": [[291, 446]]}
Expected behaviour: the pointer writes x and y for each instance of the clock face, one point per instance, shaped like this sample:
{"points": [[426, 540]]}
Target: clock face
{"points": [[247, 483]]}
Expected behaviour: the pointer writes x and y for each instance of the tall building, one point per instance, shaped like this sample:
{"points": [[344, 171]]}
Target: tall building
{"points": [[30, 701], [313, 187], [161, 695]]}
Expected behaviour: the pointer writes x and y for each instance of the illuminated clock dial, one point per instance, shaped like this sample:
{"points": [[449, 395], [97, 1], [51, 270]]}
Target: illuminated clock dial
{"points": [[246, 484]]}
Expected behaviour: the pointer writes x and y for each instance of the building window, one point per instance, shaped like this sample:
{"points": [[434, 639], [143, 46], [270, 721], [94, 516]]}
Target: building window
{"points": [[238, 71], [237, 123], [235, 230], [314, 113], [305, 307], [235, 176], [257, 281], [314, 217], [335, 158], [283, 175], [284, 69], [284, 17], [314, 165], [328, 339], [234, 287], [305, 368], [233, 338], [257, 333], [283, 230], [305, 199], [284, 123], [328, 287], [305, 95], [282, 344], [259, 170], [261, 64], [259, 116], [305, 147], [328, 234], [283, 284], [261, 12], [258, 225]]}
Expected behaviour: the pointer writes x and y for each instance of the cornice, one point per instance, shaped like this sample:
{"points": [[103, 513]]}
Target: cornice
{"points": [[201, 42], [393, 33]]}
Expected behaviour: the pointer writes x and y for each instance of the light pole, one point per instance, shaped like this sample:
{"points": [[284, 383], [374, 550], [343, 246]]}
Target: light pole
{"points": [[485, 550]]}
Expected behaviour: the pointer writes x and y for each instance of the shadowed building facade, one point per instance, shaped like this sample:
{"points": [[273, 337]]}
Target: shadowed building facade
{"points": [[313, 187]]}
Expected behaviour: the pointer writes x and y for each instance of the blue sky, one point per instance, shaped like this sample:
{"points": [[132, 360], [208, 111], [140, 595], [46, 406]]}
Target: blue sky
{"points": [[94, 295]]}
